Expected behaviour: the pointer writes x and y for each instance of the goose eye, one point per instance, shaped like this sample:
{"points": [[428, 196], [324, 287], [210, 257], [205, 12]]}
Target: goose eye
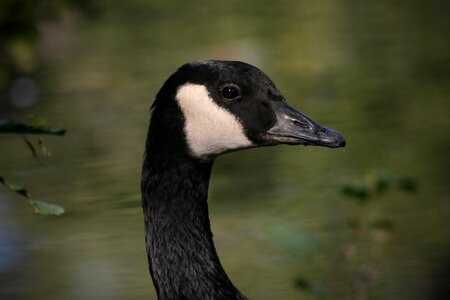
{"points": [[230, 92]]}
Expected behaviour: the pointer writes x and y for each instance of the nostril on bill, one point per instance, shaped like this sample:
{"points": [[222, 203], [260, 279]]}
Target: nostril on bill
{"points": [[300, 124]]}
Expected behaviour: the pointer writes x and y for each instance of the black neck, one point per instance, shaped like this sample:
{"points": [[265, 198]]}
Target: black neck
{"points": [[181, 254]]}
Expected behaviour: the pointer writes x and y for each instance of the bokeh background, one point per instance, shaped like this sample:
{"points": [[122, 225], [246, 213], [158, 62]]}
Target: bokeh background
{"points": [[378, 71]]}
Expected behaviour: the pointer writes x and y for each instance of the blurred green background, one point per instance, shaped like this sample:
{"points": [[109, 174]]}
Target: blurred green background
{"points": [[378, 71]]}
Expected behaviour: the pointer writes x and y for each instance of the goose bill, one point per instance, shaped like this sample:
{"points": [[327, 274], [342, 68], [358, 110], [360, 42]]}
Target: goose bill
{"points": [[294, 128]]}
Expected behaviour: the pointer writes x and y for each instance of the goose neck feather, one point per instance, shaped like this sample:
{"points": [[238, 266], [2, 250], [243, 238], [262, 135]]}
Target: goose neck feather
{"points": [[180, 249]]}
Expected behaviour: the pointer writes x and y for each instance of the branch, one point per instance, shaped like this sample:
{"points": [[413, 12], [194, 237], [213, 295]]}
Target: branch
{"points": [[40, 207], [36, 126]]}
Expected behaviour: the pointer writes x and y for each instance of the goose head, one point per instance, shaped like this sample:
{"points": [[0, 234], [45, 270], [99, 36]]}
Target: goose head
{"points": [[208, 108], [205, 109]]}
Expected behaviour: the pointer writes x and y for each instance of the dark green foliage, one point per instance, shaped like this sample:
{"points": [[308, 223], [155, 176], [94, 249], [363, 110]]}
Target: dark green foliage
{"points": [[302, 283], [19, 34], [383, 180], [373, 233], [40, 207], [34, 125], [312, 287], [356, 192], [15, 188], [407, 184], [377, 183]]}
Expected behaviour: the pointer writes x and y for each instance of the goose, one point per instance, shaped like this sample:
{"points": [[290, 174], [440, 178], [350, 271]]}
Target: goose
{"points": [[203, 110]]}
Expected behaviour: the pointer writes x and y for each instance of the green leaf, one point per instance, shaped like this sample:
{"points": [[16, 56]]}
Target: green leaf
{"points": [[383, 180], [357, 192], [36, 121], [40, 207], [407, 184], [44, 208], [56, 130], [302, 283], [313, 287], [15, 187]]}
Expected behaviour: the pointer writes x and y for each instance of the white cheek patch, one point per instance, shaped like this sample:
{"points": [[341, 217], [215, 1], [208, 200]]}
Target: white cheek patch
{"points": [[209, 128]]}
